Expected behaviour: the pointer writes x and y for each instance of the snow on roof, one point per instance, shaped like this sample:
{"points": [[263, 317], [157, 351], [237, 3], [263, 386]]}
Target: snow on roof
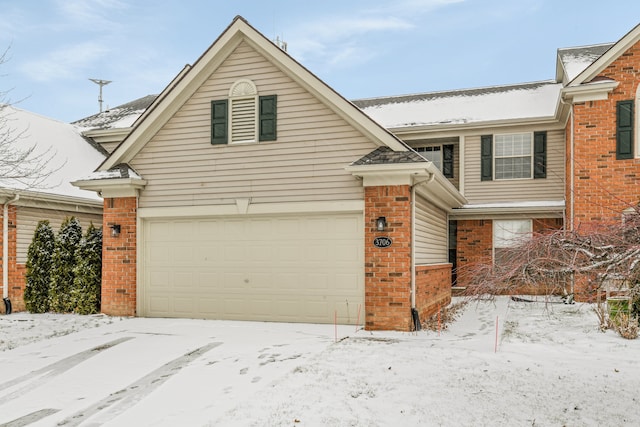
{"points": [[70, 154], [576, 59], [522, 101], [122, 116], [119, 171]]}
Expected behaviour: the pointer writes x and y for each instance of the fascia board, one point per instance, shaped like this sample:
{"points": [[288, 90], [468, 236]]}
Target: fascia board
{"points": [[108, 135], [123, 187], [46, 200], [488, 212], [442, 130], [589, 92], [427, 179]]}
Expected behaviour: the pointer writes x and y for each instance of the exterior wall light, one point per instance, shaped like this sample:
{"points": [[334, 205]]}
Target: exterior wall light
{"points": [[381, 223], [115, 230]]}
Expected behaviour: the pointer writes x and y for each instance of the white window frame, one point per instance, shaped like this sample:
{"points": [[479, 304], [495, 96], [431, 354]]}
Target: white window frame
{"points": [[243, 91], [496, 157], [508, 233], [423, 150]]}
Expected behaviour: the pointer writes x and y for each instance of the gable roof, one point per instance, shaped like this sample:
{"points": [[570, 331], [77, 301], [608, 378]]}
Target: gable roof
{"points": [[66, 153], [574, 60], [192, 77], [520, 102], [610, 55]]}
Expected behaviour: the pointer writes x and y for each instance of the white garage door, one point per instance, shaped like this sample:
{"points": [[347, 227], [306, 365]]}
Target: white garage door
{"points": [[291, 269]]}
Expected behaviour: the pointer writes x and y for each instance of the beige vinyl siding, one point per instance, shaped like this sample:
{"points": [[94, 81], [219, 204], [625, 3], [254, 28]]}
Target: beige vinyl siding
{"points": [[28, 218], [517, 190], [305, 163], [430, 233]]}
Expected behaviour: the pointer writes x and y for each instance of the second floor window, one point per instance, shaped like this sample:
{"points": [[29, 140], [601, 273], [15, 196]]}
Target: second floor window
{"points": [[433, 154], [513, 156], [441, 156]]}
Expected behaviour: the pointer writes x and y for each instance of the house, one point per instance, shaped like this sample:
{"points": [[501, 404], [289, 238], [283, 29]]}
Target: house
{"points": [[249, 189], [60, 153]]}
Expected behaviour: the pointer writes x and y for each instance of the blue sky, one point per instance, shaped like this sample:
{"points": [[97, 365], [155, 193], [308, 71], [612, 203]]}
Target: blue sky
{"points": [[362, 48]]}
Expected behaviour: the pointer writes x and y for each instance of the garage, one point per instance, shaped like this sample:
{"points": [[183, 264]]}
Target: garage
{"points": [[298, 268]]}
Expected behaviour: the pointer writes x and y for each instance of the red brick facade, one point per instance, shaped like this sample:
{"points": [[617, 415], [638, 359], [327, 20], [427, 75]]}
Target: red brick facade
{"points": [[387, 296], [388, 270], [433, 288], [475, 241], [119, 257], [603, 185], [16, 272]]}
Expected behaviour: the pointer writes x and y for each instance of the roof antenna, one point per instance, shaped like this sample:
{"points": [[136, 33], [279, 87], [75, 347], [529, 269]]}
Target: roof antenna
{"points": [[100, 83]]}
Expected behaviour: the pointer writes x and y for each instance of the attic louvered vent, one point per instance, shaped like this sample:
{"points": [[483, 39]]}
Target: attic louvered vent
{"points": [[243, 123]]}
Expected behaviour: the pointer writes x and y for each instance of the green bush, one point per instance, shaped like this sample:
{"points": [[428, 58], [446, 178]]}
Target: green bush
{"points": [[64, 262], [39, 263], [88, 273]]}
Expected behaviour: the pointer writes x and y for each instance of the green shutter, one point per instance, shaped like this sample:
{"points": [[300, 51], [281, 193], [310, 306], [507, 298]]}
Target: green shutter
{"points": [[219, 113], [540, 154], [447, 160], [267, 117], [624, 130], [486, 157]]}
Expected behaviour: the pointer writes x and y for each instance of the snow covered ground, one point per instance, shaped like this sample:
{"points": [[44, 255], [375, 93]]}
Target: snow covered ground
{"points": [[552, 367]]}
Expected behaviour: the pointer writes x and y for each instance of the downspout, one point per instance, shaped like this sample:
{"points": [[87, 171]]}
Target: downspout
{"points": [[5, 249], [413, 244], [571, 170]]}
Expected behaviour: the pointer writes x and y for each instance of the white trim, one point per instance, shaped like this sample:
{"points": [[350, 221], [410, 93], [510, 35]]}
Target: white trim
{"points": [[107, 188], [495, 157], [252, 209], [596, 91]]}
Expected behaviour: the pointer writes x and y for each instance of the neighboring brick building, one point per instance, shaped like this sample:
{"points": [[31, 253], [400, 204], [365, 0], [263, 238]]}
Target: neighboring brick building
{"points": [[310, 210]]}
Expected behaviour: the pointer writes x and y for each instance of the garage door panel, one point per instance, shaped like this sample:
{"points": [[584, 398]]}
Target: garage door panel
{"points": [[294, 269]]}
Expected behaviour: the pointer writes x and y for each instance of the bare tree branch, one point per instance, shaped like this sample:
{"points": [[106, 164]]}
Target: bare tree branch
{"points": [[21, 165]]}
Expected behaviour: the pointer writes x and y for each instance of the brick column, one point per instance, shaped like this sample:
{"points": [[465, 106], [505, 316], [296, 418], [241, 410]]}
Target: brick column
{"points": [[15, 275], [388, 270], [119, 257], [474, 246]]}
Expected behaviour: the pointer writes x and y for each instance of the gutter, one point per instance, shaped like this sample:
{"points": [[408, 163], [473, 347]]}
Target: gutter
{"points": [[5, 247]]}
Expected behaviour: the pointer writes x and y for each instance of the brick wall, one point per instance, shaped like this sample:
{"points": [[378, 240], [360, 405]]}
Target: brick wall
{"points": [[388, 270], [119, 257], [433, 288], [15, 274], [474, 245], [604, 186]]}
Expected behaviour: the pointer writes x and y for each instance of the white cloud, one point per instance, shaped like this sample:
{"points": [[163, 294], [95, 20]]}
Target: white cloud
{"points": [[338, 41], [64, 63], [91, 14]]}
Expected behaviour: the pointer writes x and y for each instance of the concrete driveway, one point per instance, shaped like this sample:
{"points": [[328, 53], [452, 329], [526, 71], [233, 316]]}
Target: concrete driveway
{"points": [[156, 370]]}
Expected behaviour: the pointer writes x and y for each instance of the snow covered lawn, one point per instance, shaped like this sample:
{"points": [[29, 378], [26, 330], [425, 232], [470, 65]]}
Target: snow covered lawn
{"points": [[552, 368]]}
